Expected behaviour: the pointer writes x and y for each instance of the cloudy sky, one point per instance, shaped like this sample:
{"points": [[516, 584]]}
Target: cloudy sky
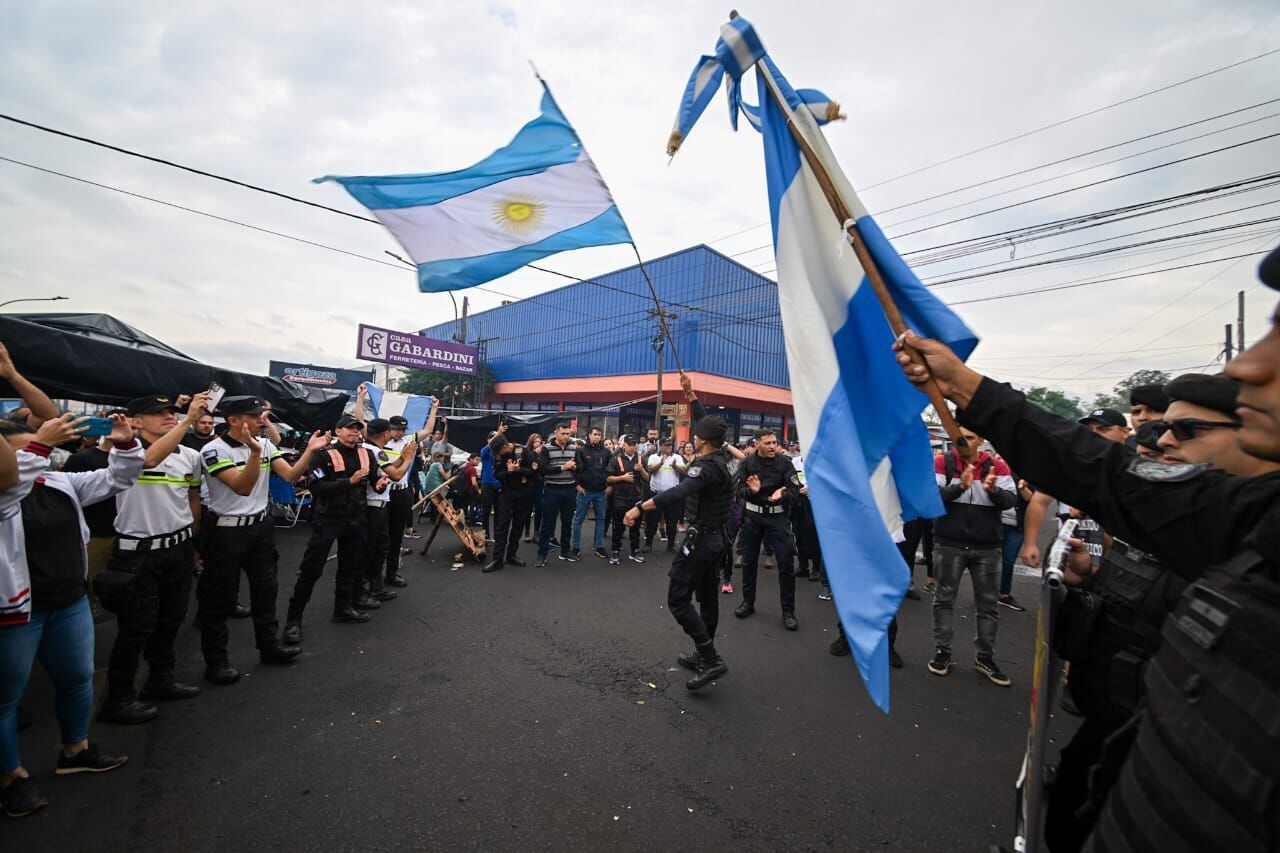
{"points": [[277, 94]]}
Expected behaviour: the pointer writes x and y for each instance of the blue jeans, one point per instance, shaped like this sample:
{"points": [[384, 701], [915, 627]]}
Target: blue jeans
{"points": [[586, 500], [1010, 547], [557, 505], [63, 641]]}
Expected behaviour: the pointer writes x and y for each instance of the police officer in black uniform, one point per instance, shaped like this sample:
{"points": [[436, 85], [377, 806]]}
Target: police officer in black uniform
{"points": [[1205, 758], [768, 487], [339, 478], [516, 468], [707, 492]]}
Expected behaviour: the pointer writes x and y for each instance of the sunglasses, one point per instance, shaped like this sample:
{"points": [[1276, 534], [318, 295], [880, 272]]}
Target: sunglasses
{"points": [[1186, 429]]}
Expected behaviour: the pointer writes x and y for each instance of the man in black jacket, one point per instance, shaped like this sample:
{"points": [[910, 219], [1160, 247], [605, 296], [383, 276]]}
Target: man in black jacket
{"points": [[516, 468], [592, 470], [767, 486], [627, 476], [338, 486]]}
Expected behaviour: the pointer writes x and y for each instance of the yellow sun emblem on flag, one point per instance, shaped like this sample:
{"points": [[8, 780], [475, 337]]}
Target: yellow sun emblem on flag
{"points": [[518, 214]]}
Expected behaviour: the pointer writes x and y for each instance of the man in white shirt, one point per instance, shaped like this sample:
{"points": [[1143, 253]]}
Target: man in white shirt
{"points": [[666, 468]]}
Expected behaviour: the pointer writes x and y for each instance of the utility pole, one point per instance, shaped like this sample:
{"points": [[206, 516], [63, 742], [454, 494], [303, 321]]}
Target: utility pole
{"points": [[659, 345], [1228, 342], [481, 344], [461, 333], [1239, 321]]}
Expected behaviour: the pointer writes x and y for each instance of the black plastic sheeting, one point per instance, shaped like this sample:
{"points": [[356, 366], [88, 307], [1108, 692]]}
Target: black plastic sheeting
{"points": [[96, 358]]}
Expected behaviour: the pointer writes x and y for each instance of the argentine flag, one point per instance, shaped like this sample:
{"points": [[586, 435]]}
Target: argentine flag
{"points": [[539, 195], [868, 464], [414, 408]]}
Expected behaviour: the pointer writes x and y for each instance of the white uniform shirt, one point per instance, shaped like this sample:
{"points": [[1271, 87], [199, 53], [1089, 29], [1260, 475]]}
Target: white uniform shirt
{"points": [[225, 454], [159, 502], [668, 474], [394, 450], [383, 458], [797, 462]]}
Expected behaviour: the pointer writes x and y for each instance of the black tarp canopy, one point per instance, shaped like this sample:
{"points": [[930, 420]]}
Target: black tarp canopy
{"points": [[470, 433], [98, 359]]}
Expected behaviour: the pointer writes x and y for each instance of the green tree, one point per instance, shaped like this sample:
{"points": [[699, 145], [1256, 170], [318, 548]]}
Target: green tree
{"points": [[1118, 399], [438, 383], [1055, 401]]}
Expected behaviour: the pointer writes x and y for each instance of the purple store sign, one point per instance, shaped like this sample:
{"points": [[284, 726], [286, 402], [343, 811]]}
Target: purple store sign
{"points": [[407, 350]]}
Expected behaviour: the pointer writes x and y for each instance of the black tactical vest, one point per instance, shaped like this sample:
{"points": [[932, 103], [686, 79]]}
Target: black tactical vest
{"points": [[1204, 771], [709, 509], [1134, 594]]}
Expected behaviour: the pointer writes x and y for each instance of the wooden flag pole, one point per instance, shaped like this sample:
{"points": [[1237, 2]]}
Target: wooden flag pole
{"points": [[869, 267]]}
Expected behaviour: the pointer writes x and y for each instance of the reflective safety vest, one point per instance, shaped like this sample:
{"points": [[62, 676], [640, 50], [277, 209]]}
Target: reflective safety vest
{"points": [[340, 463]]}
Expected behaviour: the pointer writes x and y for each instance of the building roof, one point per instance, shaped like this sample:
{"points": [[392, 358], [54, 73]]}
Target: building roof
{"points": [[727, 324]]}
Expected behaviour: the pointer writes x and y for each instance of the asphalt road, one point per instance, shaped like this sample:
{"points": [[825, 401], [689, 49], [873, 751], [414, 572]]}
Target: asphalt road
{"points": [[541, 709]]}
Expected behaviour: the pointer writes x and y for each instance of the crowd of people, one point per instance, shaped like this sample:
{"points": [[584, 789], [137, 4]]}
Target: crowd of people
{"points": [[126, 511]]}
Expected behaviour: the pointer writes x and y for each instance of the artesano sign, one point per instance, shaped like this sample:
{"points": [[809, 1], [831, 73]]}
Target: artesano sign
{"points": [[405, 350], [337, 378]]}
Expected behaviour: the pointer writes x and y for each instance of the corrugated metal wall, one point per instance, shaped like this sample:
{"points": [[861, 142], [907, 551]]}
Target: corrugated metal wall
{"points": [[727, 324]]}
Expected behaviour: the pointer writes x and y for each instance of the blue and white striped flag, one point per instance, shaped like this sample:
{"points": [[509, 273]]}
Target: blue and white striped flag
{"points": [[414, 408], [539, 195], [868, 463]]}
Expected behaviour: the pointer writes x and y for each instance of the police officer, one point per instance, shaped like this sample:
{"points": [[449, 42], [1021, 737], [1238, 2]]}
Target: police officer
{"points": [[154, 524], [376, 548], [339, 477], [1127, 599], [707, 492], [516, 468], [1202, 770], [767, 486], [400, 497], [237, 534]]}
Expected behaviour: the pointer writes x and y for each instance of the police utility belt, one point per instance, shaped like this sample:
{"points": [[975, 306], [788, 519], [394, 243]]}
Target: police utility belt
{"points": [[153, 543], [766, 510], [240, 520]]}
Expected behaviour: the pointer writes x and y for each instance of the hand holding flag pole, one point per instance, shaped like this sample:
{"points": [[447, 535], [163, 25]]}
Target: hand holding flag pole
{"points": [[842, 214]]}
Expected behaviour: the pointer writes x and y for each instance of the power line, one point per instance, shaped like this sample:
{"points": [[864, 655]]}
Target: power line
{"points": [[1077, 117]]}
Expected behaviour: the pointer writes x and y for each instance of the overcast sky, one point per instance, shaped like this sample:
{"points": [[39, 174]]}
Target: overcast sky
{"points": [[278, 94]]}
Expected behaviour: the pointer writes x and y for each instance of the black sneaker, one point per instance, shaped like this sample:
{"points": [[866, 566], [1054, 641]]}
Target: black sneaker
{"points": [[22, 797], [292, 633], [825, 593], [89, 760], [941, 663], [634, 557], [912, 594], [987, 666], [614, 558], [839, 646], [570, 556], [1010, 602], [540, 562], [602, 553]]}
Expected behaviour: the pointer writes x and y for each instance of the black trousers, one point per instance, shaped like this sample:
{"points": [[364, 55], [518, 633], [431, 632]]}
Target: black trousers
{"points": [[695, 572], [150, 620], [227, 551], [1064, 830], [668, 517], [376, 545], [488, 504], [399, 514], [774, 531], [513, 513], [620, 508], [350, 539]]}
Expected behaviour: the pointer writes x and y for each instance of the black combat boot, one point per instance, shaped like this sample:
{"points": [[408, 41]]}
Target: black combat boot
{"points": [[688, 660], [710, 666]]}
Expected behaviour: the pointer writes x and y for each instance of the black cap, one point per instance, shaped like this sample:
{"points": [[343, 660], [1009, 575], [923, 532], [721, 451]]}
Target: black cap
{"points": [[152, 404], [711, 428], [1269, 269], [241, 406], [1146, 435], [1151, 396], [377, 426], [348, 420], [627, 439], [1217, 392], [1110, 417], [397, 422]]}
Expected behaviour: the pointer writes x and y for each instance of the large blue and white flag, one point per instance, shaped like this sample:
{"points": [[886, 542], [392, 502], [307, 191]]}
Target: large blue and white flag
{"points": [[868, 463], [414, 408], [539, 195]]}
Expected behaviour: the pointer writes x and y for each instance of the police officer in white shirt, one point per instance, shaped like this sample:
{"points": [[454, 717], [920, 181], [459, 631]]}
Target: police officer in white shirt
{"points": [[666, 468], [155, 520], [377, 434], [400, 500], [238, 535]]}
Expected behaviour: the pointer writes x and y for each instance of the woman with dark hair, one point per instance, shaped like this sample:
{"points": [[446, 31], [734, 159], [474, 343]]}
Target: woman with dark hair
{"points": [[44, 612], [534, 446]]}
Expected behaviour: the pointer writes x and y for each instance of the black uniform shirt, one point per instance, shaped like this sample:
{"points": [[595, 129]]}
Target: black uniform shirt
{"points": [[774, 473], [1188, 516], [338, 501], [701, 478], [520, 481]]}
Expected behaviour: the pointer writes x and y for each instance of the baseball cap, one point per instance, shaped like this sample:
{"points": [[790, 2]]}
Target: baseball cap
{"points": [[377, 426], [1109, 417], [246, 405], [152, 404], [348, 420], [398, 422]]}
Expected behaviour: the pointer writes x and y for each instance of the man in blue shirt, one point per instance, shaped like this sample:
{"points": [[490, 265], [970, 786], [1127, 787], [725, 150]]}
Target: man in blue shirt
{"points": [[488, 483]]}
